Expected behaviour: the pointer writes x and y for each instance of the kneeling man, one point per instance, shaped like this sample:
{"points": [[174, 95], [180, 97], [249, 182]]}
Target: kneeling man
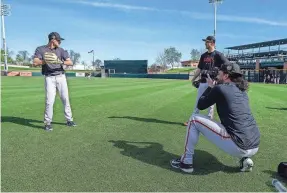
{"points": [[237, 134]]}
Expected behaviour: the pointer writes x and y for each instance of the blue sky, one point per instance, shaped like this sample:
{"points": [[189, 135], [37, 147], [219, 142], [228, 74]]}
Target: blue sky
{"points": [[141, 29]]}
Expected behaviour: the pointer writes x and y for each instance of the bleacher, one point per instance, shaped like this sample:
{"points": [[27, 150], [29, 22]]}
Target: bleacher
{"points": [[268, 54], [258, 60]]}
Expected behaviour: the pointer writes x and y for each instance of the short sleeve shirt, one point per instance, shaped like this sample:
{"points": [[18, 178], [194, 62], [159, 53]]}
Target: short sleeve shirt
{"points": [[51, 69], [215, 59]]}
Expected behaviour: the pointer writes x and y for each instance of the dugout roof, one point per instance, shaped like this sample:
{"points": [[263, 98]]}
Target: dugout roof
{"points": [[259, 44]]}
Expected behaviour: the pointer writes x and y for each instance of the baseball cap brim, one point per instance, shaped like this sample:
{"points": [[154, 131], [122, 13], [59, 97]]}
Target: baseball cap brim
{"points": [[55, 35], [234, 68], [207, 40]]}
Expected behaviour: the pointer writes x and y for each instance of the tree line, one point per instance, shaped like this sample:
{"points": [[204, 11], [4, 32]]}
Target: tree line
{"points": [[171, 57], [24, 58], [166, 59]]}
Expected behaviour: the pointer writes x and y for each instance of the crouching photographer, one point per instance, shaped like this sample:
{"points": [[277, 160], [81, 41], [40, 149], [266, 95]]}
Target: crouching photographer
{"points": [[237, 134], [209, 63]]}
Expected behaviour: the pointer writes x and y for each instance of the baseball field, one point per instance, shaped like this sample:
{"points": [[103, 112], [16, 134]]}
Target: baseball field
{"points": [[128, 131]]}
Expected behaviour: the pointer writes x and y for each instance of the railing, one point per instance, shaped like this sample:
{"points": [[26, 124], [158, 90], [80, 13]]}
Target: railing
{"points": [[274, 76]]}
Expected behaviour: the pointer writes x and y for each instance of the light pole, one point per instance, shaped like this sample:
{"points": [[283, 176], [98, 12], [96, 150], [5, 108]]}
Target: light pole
{"points": [[92, 51], [215, 2], [5, 11]]}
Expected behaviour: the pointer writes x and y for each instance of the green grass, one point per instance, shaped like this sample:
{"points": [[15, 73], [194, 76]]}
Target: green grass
{"points": [[128, 130], [181, 70]]}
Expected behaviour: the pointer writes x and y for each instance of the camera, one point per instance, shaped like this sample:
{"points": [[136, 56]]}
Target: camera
{"points": [[212, 73]]}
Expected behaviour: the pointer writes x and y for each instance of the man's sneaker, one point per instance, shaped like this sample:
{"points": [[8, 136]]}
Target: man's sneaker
{"points": [[48, 128], [71, 124], [176, 163], [246, 164]]}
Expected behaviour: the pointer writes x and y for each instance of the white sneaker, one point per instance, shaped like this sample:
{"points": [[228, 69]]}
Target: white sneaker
{"points": [[246, 164]]}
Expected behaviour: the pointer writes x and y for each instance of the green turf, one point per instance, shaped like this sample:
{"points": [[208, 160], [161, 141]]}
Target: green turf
{"points": [[128, 130], [181, 70]]}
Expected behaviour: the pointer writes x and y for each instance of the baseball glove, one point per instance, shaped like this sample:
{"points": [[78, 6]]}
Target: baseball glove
{"points": [[52, 58], [196, 83]]}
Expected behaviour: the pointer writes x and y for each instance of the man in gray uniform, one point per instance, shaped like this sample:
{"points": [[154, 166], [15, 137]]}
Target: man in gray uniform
{"points": [[237, 134], [51, 58]]}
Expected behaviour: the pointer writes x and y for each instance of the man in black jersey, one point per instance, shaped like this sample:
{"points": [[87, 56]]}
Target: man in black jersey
{"points": [[209, 62], [237, 134]]}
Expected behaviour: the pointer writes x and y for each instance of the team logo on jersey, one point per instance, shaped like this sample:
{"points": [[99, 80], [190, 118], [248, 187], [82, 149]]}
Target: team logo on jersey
{"points": [[208, 59]]}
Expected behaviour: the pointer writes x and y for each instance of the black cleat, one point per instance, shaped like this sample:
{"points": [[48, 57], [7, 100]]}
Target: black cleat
{"points": [[176, 163], [71, 124], [48, 128]]}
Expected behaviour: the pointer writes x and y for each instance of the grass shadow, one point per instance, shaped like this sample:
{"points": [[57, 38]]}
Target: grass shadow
{"points": [[153, 154], [25, 122], [149, 120], [276, 108]]}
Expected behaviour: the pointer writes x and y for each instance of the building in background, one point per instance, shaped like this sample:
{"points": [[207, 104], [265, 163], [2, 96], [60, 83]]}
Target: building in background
{"points": [[189, 63], [126, 66], [261, 59]]}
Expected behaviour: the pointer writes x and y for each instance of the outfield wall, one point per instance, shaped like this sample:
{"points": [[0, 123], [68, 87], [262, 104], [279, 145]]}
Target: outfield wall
{"points": [[155, 76], [118, 75], [250, 76], [26, 73]]}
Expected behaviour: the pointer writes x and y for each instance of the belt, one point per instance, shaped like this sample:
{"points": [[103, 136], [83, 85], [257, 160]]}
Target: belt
{"points": [[55, 74]]}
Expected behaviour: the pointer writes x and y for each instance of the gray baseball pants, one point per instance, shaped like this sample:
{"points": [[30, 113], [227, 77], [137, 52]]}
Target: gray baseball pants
{"points": [[52, 84], [215, 133], [202, 87]]}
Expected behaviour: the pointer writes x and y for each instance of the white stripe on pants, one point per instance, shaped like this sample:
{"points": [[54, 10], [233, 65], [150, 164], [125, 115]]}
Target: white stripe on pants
{"points": [[215, 133], [201, 89], [52, 84]]}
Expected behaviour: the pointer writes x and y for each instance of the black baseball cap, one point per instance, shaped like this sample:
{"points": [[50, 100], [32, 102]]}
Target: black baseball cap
{"points": [[209, 38], [55, 35], [231, 68]]}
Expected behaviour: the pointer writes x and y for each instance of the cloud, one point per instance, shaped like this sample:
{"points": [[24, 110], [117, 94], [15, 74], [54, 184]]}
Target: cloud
{"points": [[240, 36], [251, 20], [118, 6], [194, 15], [233, 18]]}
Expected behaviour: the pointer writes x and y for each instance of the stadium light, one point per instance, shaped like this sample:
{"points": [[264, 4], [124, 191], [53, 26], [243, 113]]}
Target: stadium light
{"points": [[5, 11], [92, 51], [215, 2]]}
